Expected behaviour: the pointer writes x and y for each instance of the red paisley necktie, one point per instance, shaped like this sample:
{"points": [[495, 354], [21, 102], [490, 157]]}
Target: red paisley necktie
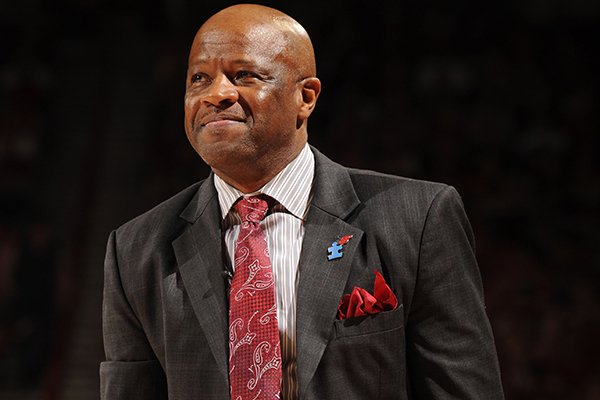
{"points": [[254, 349]]}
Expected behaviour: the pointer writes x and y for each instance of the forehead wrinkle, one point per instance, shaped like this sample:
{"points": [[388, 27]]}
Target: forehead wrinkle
{"points": [[240, 58], [214, 38], [256, 44]]}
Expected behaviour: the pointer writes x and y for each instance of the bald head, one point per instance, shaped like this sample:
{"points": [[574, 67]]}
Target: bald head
{"points": [[267, 27], [251, 87]]}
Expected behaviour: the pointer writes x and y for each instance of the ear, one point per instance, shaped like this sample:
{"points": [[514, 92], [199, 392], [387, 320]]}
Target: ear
{"points": [[310, 89]]}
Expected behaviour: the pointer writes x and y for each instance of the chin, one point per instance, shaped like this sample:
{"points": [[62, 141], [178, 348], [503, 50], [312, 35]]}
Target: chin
{"points": [[222, 154]]}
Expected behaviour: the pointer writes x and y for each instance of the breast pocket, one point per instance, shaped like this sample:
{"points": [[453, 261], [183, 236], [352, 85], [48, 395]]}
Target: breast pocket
{"points": [[370, 324], [366, 357]]}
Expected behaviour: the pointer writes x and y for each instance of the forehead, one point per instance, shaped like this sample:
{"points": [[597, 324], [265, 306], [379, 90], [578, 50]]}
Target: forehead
{"points": [[255, 41]]}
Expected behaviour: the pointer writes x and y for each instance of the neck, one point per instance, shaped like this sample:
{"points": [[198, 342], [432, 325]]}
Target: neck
{"points": [[249, 178], [243, 184]]}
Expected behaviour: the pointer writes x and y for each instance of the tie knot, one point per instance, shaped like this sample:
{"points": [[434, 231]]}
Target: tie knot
{"points": [[252, 209]]}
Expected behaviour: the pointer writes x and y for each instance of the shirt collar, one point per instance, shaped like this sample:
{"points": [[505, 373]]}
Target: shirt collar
{"points": [[290, 187]]}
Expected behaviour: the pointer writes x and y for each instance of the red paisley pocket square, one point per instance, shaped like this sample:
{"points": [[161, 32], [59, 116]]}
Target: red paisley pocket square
{"points": [[360, 302]]}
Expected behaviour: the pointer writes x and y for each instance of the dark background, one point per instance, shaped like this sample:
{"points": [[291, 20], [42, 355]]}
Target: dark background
{"points": [[499, 99]]}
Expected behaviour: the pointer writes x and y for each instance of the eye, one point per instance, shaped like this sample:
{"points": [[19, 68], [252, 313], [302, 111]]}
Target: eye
{"points": [[198, 77], [245, 76]]}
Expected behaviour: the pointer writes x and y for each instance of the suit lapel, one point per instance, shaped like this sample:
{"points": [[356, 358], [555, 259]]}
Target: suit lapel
{"points": [[199, 255], [322, 282]]}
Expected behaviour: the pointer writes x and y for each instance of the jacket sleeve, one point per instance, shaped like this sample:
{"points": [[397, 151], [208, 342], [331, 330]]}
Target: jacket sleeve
{"points": [[450, 347], [131, 370]]}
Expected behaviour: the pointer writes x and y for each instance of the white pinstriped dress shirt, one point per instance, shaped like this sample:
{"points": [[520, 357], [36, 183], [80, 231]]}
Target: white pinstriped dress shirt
{"points": [[284, 228]]}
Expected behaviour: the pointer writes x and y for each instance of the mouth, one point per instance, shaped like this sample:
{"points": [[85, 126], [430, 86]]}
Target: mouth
{"points": [[221, 119]]}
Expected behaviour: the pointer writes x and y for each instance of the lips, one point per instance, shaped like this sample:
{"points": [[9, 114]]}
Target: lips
{"points": [[220, 117]]}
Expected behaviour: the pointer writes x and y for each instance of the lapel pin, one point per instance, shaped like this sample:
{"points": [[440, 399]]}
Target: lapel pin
{"points": [[335, 251]]}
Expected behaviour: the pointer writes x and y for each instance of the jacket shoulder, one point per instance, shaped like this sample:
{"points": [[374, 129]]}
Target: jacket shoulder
{"points": [[162, 220], [373, 186]]}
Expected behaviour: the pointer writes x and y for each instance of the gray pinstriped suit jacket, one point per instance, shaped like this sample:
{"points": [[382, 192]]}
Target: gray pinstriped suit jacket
{"points": [[165, 307]]}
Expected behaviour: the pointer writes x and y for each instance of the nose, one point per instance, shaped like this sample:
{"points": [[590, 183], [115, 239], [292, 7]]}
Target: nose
{"points": [[221, 93]]}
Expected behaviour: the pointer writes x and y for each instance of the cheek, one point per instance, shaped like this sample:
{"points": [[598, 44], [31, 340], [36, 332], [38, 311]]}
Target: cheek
{"points": [[262, 95], [271, 105], [190, 105]]}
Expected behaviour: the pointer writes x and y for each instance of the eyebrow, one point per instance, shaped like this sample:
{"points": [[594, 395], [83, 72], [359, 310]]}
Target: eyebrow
{"points": [[241, 61], [237, 62]]}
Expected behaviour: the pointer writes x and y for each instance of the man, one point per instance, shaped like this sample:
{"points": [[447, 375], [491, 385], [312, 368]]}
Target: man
{"points": [[169, 313]]}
